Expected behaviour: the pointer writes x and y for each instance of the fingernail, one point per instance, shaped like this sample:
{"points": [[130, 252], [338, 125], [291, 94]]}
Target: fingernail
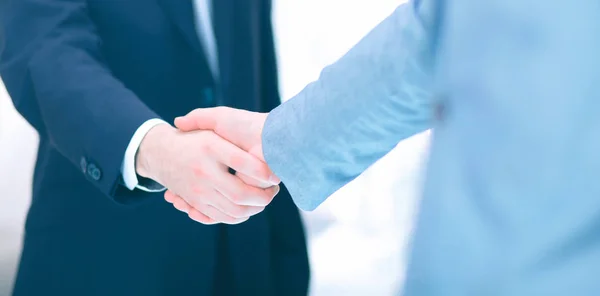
{"points": [[274, 180], [178, 118]]}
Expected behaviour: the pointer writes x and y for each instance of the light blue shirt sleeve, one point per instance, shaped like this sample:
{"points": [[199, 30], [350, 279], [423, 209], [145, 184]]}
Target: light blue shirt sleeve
{"points": [[511, 200], [357, 111]]}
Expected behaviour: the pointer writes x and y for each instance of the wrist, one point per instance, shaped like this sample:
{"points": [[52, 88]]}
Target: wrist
{"points": [[151, 149]]}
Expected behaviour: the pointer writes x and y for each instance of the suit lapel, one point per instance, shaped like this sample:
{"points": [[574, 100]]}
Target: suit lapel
{"points": [[181, 13]]}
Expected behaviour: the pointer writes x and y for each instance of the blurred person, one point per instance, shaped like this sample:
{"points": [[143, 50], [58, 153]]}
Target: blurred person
{"points": [[510, 204], [99, 80]]}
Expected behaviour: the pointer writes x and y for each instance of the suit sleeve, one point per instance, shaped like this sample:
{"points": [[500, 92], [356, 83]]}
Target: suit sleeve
{"points": [[54, 71], [358, 110]]}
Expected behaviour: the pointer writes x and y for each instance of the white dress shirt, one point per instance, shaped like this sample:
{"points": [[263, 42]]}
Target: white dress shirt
{"points": [[204, 28]]}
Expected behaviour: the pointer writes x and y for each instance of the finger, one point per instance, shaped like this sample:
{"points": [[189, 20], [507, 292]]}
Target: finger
{"points": [[216, 215], [181, 205], [217, 200], [243, 162], [223, 204], [273, 190], [212, 204], [201, 118], [192, 213], [200, 218], [252, 182], [243, 194], [257, 151], [229, 123], [226, 122], [170, 197]]}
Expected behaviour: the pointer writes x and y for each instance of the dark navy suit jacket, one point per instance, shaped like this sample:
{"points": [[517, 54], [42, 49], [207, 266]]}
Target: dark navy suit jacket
{"points": [[86, 74]]}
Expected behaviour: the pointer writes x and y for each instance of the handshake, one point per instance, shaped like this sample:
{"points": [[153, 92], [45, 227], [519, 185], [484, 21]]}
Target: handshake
{"points": [[193, 161]]}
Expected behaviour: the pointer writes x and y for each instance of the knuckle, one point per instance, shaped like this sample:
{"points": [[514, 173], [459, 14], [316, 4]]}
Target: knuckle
{"points": [[267, 197], [258, 170], [262, 168], [207, 147], [262, 171], [194, 203], [236, 197], [199, 172], [213, 145], [237, 160]]}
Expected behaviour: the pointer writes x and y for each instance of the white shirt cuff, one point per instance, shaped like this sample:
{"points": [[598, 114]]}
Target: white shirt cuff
{"points": [[128, 167]]}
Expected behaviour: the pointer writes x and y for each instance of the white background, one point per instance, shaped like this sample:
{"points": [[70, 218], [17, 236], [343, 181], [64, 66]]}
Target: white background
{"points": [[358, 238]]}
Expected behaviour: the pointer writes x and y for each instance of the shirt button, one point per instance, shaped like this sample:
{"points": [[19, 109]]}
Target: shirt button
{"points": [[94, 172], [83, 165]]}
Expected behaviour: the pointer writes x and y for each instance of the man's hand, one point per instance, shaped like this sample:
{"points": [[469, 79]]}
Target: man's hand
{"points": [[194, 166], [240, 127]]}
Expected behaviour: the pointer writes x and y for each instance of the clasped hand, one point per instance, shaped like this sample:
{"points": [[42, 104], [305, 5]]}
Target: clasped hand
{"points": [[193, 162]]}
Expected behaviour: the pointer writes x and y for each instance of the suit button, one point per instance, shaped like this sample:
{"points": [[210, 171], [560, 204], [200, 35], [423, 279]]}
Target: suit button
{"points": [[83, 165], [94, 172]]}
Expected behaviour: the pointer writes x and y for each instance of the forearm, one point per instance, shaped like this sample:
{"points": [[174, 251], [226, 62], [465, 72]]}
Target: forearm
{"points": [[132, 161], [356, 112]]}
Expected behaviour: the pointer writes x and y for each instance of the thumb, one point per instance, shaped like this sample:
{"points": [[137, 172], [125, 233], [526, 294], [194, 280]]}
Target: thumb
{"points": [[257, 152], [198, 119]]}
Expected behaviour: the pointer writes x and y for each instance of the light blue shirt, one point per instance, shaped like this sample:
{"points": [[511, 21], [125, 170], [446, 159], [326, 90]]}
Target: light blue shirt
{"points": [[511, 203]]}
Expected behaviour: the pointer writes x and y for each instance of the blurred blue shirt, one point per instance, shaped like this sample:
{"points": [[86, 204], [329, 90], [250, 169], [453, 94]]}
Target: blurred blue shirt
{"points": [[511, 204]]}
